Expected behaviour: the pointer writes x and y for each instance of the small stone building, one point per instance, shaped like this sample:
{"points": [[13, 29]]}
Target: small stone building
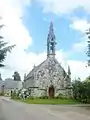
{"points": [[48, 78], [11, 84]]}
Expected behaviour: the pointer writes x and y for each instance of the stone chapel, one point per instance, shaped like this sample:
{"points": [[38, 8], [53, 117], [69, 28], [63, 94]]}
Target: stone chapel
{"points": [[49, 78]]}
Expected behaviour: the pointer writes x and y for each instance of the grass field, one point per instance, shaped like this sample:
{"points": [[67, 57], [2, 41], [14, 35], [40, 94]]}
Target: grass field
{"points": [[50, 101]]}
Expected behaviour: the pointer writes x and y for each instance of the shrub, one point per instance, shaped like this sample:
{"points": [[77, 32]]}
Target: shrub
{"points": [[43, 97], [61, 96], [1, 94]]}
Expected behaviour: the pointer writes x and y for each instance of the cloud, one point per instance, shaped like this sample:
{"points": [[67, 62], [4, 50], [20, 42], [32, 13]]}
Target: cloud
{"points": [[80, 25], [80, 46], [28, 61], [16, 33], [16, 7], [63, 6], [22, 62], [79, 69]]}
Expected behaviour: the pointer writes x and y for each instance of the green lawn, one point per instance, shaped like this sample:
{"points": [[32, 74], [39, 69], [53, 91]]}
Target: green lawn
{"points": [[50, 101]]}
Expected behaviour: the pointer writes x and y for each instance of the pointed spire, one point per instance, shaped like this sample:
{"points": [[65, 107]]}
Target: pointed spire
{"points": [[34, 66], [51, 30], [25, 76], [69, 72], [0, 77], [51, 41]]}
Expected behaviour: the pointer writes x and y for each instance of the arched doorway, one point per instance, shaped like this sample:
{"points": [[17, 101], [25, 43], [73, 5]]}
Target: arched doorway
{"points": [[51, 91]]}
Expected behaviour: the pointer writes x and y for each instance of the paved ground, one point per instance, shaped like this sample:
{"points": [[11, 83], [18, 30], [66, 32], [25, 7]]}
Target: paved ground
{"points": [[11, 110]]}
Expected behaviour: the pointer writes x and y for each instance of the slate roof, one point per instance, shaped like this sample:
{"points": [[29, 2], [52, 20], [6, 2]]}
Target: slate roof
{"points": [[9, 83]]}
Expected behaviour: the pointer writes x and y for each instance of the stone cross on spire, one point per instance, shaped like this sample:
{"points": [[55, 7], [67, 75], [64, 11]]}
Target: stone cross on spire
{"points": [[51, 42]]}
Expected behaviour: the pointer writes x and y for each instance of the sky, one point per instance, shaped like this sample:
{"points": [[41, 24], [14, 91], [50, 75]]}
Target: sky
{"points": [[27, 24]]}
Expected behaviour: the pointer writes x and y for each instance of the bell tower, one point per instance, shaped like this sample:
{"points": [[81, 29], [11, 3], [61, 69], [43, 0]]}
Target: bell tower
{"points": [[51, 42]]}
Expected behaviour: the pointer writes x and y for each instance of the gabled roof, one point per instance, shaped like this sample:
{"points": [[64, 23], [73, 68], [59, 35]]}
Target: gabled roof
{"points": [[31, 73], [9, 83], [44, 64]]}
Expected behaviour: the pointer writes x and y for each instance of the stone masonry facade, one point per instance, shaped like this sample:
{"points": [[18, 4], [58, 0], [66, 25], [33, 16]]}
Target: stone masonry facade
{"points": [[49, 78]]}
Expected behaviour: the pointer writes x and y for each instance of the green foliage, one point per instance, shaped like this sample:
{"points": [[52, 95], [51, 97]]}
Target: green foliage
{"points": [[43, 97], [0, 77], [16, 76], [4, 49], [60, 96], [88, 79], [81, 91], [1, 94], [49, 101], [13, 95]]}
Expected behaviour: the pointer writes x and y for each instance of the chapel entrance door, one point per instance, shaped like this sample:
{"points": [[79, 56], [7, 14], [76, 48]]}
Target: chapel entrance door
{"points": [[51, 91]]}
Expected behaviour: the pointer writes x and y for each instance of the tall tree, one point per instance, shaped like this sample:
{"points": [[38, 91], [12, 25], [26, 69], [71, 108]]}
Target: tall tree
{"points": [[4, 49], [81, 90], [16, 76], [0, 77], [87, 79]]}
